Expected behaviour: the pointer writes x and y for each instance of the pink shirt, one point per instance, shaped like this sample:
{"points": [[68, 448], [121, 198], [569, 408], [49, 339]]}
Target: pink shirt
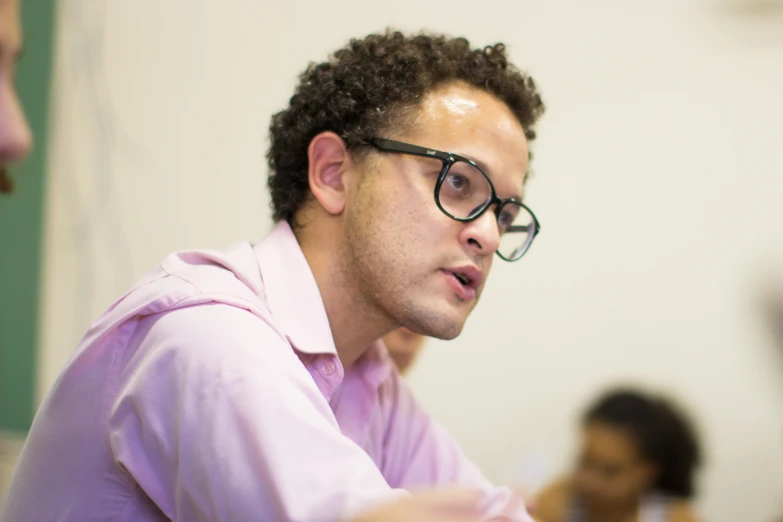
{"points": [[212, 391]]}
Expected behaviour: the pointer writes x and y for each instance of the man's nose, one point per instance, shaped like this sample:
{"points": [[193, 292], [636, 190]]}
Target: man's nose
{"points": [[482, 234]]}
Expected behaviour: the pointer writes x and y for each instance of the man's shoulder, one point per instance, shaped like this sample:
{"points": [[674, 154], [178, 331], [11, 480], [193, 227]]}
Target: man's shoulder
{"points": [[212, 331], [193, 277], [208, 298], [192, 296], [231, 273]]}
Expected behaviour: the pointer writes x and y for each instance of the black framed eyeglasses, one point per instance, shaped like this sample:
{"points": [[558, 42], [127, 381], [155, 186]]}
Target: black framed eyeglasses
{"points": [[464, 192]]}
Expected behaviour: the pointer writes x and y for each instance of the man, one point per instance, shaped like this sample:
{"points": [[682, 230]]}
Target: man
{"points": [[252, 384], [15, 139]]}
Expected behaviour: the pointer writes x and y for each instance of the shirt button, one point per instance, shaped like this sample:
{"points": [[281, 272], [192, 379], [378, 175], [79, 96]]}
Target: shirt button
{"points": [[329, 368]]}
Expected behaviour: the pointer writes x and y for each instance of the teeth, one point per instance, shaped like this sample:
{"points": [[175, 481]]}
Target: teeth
{"points": [[462, 278]]}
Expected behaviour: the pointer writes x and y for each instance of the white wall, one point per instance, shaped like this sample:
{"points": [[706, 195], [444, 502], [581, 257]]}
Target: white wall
{"points": [[658, 177]]}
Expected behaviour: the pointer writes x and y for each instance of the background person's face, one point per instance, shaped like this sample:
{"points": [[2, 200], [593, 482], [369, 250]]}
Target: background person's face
{"points": [[402, 249], [610, 471], [15, 137]]}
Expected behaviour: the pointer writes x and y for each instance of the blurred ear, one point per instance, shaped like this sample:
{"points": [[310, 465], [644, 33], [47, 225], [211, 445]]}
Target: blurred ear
{"points": [[328, 161]]}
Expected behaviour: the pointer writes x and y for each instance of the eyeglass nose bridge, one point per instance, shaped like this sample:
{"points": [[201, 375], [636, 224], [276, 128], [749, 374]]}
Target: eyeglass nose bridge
{"points": [[482, 209]]}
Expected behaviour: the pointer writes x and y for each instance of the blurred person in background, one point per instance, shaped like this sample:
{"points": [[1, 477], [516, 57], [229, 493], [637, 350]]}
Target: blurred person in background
{"points": [[637, 462], [15, 139], [773, 304], [251, 384], [403, 346], [773, 308]]}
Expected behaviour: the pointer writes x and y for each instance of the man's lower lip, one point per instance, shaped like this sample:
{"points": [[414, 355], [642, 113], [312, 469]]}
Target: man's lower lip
{"points": [[463, 292]]}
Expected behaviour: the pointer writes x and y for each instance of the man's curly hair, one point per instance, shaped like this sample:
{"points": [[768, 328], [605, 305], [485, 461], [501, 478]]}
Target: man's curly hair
{"points": [[364, 88]]}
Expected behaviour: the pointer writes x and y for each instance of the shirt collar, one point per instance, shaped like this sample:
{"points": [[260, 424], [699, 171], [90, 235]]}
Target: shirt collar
{"points": [[292, 294]]}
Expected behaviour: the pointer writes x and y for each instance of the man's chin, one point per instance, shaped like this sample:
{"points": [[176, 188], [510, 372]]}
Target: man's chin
{"points": [[434, 316], [444, 327]]}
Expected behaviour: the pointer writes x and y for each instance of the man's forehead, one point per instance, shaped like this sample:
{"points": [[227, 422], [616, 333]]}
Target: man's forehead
{"points": [[470, 122], [454, 100]]}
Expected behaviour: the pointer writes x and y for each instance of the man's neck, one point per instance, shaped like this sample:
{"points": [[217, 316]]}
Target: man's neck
{"points": [[354, 322]]}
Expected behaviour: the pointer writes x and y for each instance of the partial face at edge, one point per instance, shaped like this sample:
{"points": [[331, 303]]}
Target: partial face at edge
{"points": [[15, 139], [402, 249]]}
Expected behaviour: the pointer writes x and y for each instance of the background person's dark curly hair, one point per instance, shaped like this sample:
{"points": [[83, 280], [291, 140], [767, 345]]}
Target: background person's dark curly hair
{"points": [[663, 435], [364, 88]]}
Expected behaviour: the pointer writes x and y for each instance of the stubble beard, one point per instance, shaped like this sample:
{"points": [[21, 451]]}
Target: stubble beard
{"points": [[375, 265]]}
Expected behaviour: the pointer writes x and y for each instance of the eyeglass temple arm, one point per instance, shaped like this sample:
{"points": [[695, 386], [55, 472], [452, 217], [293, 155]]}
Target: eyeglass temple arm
{"points": [[407, 148]]}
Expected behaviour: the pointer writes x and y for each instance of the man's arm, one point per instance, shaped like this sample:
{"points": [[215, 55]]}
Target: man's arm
{"points": [[421, 453], [431, 506], [681, 511], [551, 504], [216, 419]]}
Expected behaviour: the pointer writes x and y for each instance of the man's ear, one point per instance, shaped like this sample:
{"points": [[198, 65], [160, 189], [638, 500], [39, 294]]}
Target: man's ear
{"points": [[328, 160]]}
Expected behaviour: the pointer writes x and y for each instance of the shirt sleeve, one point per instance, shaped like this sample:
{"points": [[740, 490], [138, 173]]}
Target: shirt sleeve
{"points": [[421, 453], [216, 419]]}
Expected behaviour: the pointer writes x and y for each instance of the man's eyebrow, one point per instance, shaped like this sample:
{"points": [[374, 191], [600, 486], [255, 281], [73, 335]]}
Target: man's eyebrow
{"points": [[483, 166]]}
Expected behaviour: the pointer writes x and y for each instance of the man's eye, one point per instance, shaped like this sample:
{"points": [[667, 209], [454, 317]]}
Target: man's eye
{"points": [[457, 181]]}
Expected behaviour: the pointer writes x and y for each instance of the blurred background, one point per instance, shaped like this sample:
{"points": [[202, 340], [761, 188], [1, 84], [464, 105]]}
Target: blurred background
{"points": [[658, 179]]}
